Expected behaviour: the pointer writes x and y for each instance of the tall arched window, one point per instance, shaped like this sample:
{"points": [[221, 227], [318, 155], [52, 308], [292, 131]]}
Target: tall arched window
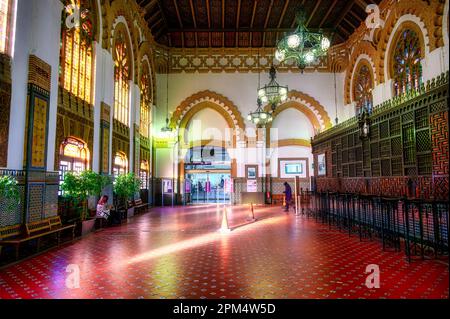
{"points": [[362, 88], [121, 79], [120, 166], [406, 66], [76, 66], [5, 25], [73, 157], [146, 101], [143, 174]]}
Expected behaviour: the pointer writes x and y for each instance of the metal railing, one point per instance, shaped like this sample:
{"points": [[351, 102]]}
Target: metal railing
{"points": [[419, 227]]}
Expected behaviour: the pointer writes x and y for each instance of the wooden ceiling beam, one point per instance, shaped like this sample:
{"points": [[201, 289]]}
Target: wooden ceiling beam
{"points": [[208, 11], [166, 25], [223, 14], [156, 23], [253, 13], [349, 23], [266, 22], [193, 14], [283, 13], [150, 5], [238, 18], [325, 17], [354, 15], [178, 14], [154, 18], [347, 33], [313, 12], [344, 12], [256, 29], [362, 4]]}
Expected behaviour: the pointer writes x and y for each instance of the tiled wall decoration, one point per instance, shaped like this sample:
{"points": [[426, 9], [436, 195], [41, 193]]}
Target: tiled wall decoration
{"points": [[36, 192], [406, 153]]}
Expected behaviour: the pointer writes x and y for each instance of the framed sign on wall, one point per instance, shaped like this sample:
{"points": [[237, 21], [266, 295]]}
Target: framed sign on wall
{"points": [[321, 165], [293, 167], [167, 186], [251, 171]]}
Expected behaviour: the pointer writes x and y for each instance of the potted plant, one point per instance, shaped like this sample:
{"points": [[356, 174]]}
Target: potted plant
{"points": [[9, 193], [125, 187], [77, 188]]}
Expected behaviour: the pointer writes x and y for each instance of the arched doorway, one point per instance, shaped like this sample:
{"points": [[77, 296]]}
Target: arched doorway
{"points": [[207, 174]]}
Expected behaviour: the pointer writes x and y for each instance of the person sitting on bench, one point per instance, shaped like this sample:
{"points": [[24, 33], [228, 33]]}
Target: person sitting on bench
{"points": [[103, 209]]}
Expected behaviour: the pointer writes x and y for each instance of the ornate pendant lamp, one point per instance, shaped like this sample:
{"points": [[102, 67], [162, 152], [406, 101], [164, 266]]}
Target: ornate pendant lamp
{"points": [[303, 46], [273, 93], [260, 118], [167, 129]]}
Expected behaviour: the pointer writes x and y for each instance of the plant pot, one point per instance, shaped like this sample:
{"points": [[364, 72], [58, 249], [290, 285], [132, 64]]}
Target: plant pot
{"points": [[87, 226]]}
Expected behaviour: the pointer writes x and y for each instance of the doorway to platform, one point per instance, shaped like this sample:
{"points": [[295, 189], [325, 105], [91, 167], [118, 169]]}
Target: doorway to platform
{"points": [[209, 187], [207, 175]]}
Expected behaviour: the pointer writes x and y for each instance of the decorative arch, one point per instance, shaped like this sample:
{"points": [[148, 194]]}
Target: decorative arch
{"points": [[404, 26], [412, 14], [145, 56], [208, 99], [363, 65], [123, 73], [146, 100], [307, 105], [364, 50]]}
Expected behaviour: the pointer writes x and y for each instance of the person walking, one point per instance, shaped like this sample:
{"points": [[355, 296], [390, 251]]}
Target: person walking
{"points": [[288, 195]]}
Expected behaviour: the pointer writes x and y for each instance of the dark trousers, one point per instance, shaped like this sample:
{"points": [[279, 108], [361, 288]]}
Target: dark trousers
{"points": [[288, 202]]}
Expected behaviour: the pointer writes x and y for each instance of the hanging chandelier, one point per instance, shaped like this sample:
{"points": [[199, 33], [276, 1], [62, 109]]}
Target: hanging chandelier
{"points": [[260, 118], [273, 93], [302, 46], [167, 129]]}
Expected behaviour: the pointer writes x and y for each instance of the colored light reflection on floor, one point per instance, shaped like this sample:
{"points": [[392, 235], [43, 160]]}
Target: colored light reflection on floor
{"points": [[199, 241]]}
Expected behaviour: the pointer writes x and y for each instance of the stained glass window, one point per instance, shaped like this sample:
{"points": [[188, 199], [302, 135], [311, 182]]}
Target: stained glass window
{"points": [[76, 51], [407, 69], [146, 100], [73, 157], [120, 166], [363, 89], [5, 19], [121, 80]]}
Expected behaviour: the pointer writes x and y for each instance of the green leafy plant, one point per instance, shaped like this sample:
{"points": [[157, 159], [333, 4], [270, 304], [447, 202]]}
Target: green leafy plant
{"points": [[78, 187], [9, 191], [126, 186]]}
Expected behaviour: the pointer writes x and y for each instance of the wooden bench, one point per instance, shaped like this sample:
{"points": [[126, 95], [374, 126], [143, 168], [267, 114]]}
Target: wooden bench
{"points": [[14, 236], [278, 199], [139, 205]]}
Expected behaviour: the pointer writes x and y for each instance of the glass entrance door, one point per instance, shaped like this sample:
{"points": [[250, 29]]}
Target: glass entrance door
{"points": [[208, 187]]}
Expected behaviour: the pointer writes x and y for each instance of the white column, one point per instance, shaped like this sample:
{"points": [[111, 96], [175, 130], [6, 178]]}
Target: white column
{"points": [[98, 98], [38, 30], [108, 94]]}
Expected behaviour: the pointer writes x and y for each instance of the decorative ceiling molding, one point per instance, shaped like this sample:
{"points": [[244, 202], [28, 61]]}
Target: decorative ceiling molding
{"points": [[241, 61]]}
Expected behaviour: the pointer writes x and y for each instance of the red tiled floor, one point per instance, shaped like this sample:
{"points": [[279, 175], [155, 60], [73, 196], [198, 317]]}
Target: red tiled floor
{"points": [[178, 253]]}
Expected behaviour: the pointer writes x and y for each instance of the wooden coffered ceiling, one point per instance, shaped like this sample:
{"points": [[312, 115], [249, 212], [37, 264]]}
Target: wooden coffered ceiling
{"points": [[247, 23]]}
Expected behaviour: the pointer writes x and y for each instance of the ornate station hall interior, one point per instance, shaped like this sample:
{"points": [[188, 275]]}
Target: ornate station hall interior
{"points": [[224, 149]]}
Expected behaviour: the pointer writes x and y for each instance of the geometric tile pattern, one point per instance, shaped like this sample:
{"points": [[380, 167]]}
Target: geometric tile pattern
{"points": [[178, 253], [35, 204], [51, 201], [12, 215]]}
